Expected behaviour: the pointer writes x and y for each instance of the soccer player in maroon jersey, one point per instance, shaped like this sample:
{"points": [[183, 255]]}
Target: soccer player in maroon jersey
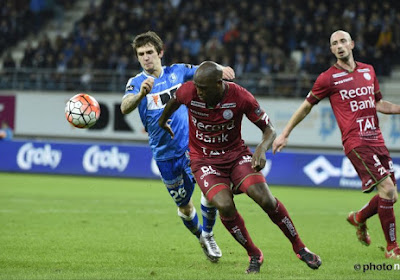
{"points": [[353, 91], [219, 156]]}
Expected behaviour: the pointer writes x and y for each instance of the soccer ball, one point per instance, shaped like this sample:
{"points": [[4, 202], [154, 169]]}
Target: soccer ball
{"points": [[82, 110]]}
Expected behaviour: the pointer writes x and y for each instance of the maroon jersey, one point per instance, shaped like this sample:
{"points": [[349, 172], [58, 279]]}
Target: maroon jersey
{"points": [[353, 96], [215, 131]]}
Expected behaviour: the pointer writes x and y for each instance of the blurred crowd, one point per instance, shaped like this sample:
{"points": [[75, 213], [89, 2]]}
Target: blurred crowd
{"points": [[252, 36]]}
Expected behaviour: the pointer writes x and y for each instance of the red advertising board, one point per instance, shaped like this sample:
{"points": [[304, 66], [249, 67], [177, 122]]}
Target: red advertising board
{"points": [[7, 110]]}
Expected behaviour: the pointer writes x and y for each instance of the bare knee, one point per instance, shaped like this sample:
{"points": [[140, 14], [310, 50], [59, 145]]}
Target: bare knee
{"points": [[223, 201], [261, 194], [186, 209], [388, 190]]}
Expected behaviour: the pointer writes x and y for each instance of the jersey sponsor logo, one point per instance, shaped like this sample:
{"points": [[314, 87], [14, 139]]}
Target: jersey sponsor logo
{"points": [[227, 114], [228, 105], [367, 76], [213, 127], [367, 128], [258, 111], [338, 75], [363, 70], [208, 152], [199, 113], [223, 137], [246, 159], [353, 93], [158, 100], [343, 81], [159, 84], [208, 170], [198, 104], [129, 87], [361, 105]]}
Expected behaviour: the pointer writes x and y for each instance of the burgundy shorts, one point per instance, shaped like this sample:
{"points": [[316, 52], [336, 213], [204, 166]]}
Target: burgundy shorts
{"points": [[373, 165], [214, 176]]}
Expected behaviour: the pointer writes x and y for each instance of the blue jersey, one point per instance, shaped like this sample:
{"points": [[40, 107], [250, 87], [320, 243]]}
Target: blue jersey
{"points": [[152, 106]]}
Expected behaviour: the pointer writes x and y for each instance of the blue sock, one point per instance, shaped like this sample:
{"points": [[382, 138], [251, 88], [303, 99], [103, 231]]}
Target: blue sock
{"points": [[209, 213], [191, 222]]}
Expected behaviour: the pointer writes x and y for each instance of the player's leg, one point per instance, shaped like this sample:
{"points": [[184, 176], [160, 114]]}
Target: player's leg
{"points": [[214, 183], [206, 238], [375, 169], [234, 223], [181, 191], [387, 197], [253, 183], [209, 213]]}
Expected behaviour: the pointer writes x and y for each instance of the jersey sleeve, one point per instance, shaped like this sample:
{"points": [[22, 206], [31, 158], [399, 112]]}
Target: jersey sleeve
{"points": [[377, 91], [131, 87], [253, 110], [189, 71], [320, 89], [183, 94]]}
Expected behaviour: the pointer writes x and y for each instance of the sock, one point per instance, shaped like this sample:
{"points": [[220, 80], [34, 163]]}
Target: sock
{"points": [[388, 221], [281, 218], [191, 222], [209, 213], [235, 225], [369, 209]]}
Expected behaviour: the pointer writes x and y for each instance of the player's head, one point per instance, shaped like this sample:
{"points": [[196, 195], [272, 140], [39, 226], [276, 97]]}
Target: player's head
{"points": [[148, 48], [208, 82], [342, 45]]}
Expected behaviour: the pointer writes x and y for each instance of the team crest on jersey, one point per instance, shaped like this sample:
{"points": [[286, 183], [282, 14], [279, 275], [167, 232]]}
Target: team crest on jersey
{"points": [[227, 114], [367, 76], [172, 78]]}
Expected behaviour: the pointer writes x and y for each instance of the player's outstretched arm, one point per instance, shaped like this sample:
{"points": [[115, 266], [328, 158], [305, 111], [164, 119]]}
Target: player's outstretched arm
{"points": [[258, 161], [130, 102], [169, 109], [228, 73], [281, 141], [386, 107]]}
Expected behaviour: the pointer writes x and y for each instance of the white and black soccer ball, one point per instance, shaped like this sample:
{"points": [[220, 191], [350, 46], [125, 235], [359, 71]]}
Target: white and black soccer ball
{"points": [[82, 110]]}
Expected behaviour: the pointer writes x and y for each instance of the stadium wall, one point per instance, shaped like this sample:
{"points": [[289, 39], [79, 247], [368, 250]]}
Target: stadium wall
{"points": [[135, 161], [39, 114]]}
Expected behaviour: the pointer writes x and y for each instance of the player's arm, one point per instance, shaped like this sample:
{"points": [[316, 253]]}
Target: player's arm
{"points": [[386, 107], [169, 109], [258, 161], [281, 141], [228, 73], [131, 101]]}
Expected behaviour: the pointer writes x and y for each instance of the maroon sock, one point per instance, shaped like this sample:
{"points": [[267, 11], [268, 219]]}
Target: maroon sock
{"points": [[388, 221], [235, 225], [281, 218], [370, 209]]}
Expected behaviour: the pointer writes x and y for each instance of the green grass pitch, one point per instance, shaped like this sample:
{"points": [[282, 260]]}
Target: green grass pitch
{"points": [[69, 227]]}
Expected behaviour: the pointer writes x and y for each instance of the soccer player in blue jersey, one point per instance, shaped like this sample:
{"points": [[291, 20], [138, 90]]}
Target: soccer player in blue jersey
{"points": [[150, 90]]}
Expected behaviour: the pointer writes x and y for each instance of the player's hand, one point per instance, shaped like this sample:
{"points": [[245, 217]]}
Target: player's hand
{"points": [[279, 143], [228, 73], [147, 85], [168, 128], [258, 160]]}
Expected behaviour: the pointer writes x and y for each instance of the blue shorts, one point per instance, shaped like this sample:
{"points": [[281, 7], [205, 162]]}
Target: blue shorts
{"points": [[177, 177]]}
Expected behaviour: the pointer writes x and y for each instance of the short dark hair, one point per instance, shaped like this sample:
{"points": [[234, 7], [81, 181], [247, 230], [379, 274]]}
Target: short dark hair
{"points": [[148, 37]]}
